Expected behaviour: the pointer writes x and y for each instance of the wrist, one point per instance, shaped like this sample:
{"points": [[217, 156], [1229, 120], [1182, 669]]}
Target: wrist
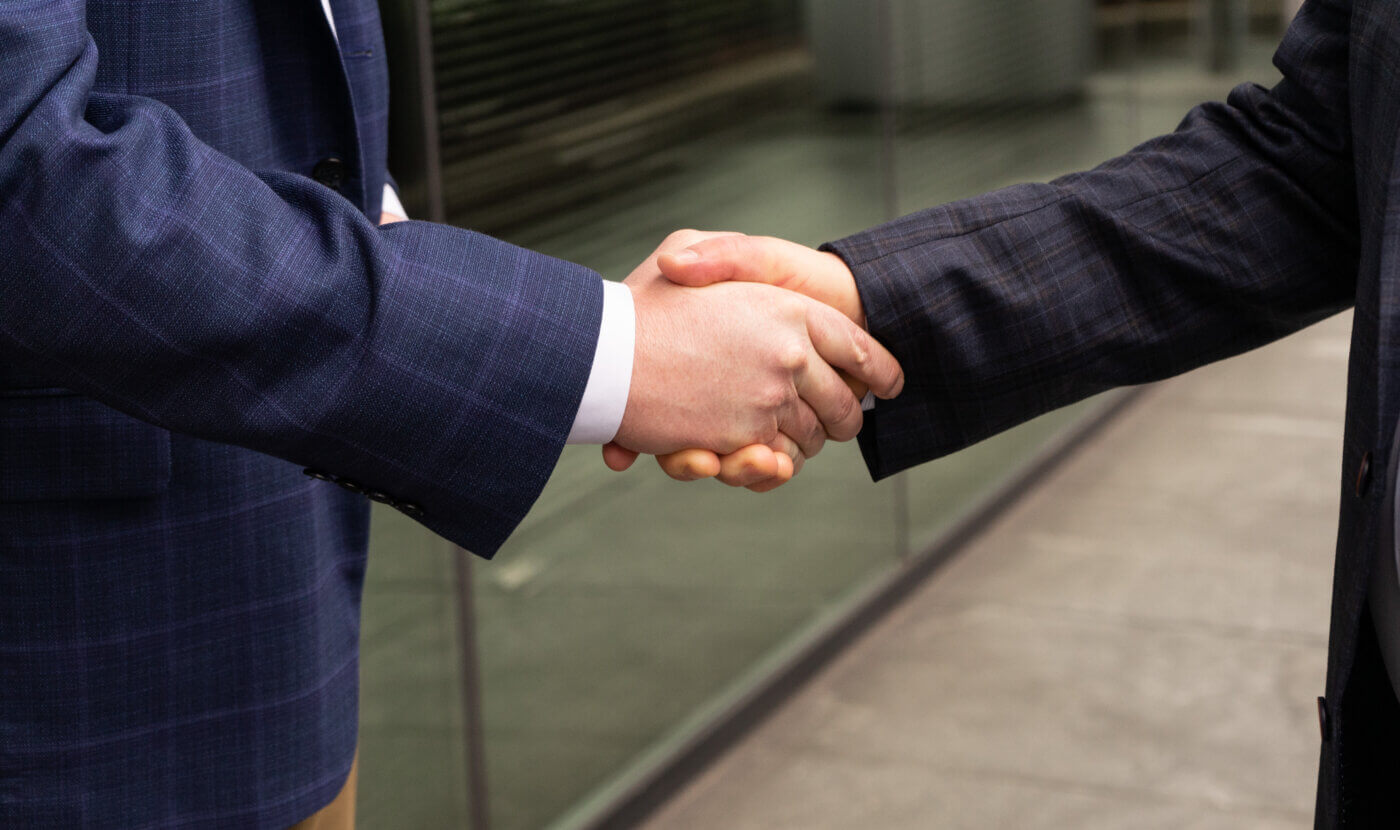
{"points": [[606, 392], [845, 296]]}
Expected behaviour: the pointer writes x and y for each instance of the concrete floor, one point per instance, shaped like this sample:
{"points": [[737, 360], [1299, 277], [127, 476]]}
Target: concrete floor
{"points": [[1139, 643]]}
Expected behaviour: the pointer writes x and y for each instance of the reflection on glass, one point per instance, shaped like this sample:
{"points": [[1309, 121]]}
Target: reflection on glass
{"points": [[628, 604]]}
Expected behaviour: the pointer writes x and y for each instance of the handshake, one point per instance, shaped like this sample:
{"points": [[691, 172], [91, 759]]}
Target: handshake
{"points": [[750, 352]]}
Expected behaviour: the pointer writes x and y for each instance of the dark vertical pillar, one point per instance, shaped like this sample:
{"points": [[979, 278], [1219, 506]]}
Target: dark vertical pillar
{"points": [[889, 56], [415, 160], [1225, 29], [478, 796], [415, 157]]}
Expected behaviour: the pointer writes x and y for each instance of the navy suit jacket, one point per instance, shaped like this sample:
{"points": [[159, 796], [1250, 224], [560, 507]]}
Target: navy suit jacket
{"points": [[1257, 217], [189, 318]]}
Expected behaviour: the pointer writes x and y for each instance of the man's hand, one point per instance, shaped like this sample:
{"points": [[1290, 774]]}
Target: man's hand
{"points": [[822, 276], [739, 364], [732, 256]]}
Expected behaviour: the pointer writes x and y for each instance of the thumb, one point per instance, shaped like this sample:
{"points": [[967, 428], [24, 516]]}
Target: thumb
{"points": [[820, 275], [719, 259]]}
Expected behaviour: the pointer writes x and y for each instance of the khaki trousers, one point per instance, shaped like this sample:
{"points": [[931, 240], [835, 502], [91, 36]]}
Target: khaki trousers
{"points": [[340, 813]]}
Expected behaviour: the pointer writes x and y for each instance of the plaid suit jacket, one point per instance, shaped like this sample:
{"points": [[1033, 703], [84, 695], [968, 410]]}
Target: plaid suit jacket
{"points": [[195, 306], [1257, 217]]}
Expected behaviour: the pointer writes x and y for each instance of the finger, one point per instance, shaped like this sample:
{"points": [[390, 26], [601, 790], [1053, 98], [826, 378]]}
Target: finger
{"points": [[857, 388], [748, 465], [720, 259], [618, 458], [786, 470], [690, 465], [847, 346], [784, 445], [830, 398], [821, 275], [648, 271], [790, 461], [680, 240], [799, 422]]}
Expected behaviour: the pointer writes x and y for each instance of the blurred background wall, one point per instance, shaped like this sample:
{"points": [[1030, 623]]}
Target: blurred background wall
{"points": [[630, 613]]}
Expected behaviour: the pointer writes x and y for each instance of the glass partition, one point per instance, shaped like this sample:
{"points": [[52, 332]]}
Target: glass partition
{"points": [[514, 694]]}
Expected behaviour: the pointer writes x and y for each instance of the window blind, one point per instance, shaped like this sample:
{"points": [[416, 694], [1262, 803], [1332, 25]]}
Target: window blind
{"points": [[544, 103]]}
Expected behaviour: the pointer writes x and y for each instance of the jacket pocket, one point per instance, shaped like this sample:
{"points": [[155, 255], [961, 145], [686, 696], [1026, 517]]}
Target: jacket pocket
{"points": [[56, 444]]}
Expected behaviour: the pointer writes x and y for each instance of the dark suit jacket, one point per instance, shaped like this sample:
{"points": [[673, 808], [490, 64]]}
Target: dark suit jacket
{"points": [[1255, 218], [188, 318]]}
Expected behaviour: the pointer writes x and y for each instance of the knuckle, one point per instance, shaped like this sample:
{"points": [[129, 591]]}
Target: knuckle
{"points": [[853, 426], [775, 398], [860, 347], [846, 419], [792, 355], [770, 431], [760, 428]]}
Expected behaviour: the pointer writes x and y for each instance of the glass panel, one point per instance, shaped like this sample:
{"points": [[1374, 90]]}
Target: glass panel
{"points": [[412, 751], [996, 92], [627, 605], [627, 602]]}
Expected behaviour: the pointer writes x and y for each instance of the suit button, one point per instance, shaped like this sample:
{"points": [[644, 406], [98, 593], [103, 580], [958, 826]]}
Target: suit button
{"points": [[410, 510], [352, 486], [382, 498], [330, 172], [1323, 722], [320, 475], [1363, 475]]}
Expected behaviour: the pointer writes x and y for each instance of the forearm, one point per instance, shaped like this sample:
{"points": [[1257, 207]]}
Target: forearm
{"points": [[1237, 229], [146, 269]]}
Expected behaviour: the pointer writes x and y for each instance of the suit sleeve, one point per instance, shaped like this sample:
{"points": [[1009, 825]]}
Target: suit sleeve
{"points": [[438, 366], [1236, 229]]}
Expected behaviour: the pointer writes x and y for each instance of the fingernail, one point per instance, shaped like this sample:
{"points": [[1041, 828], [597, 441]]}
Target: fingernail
{"points": [[687, 256]]}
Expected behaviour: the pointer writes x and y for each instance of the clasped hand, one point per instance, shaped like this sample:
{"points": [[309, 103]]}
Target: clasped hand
{"points": [[750, 353]]}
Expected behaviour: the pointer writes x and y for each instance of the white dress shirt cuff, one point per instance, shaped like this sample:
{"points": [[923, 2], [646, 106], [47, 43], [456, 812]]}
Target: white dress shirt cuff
{"points": [[391, 203], [605, 396], [330, 18]]}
